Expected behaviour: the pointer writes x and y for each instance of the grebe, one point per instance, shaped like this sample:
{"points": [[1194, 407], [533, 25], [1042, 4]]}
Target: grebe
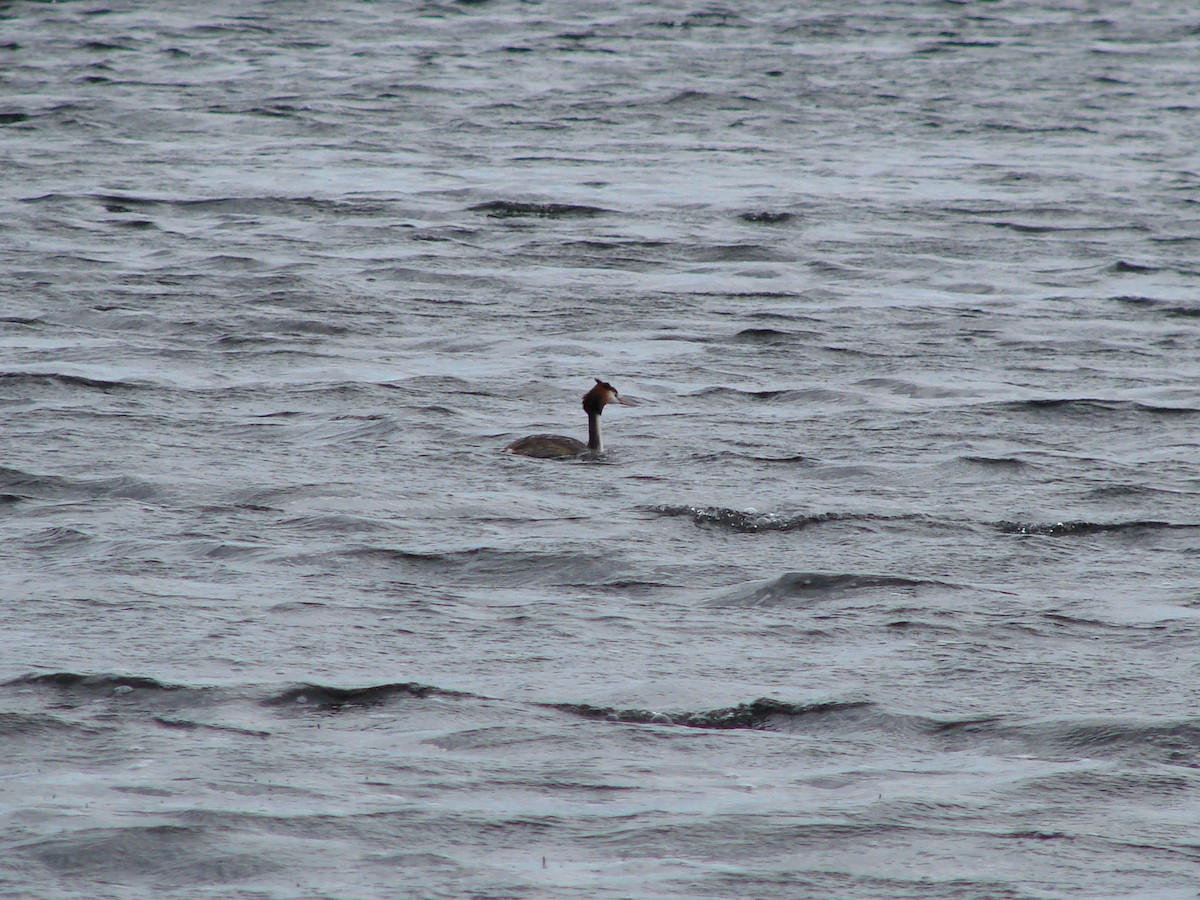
{"points": [[556, 446]]}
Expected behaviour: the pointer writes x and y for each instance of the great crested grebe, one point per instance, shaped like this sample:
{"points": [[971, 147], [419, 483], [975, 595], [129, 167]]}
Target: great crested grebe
{"points": [[557, 446]]}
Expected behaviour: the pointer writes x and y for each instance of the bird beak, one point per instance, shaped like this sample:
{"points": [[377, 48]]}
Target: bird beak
{"points": [[625, 401]]}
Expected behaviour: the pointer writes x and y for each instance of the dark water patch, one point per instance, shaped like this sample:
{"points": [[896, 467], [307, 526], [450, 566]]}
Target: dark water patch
{"points": [[105, 45], [267, 206], [507, 209], [1161, 307], [1079, 624], [142, 791], [995, 462], [764, 713], [616, 245], [745, 253], [228, 262], [1121, 267], [803, 588], [917, 625], [797, 460], [1129, 491], [1015, 128], [231, 550], [108, 694], [28, 486], [1092, 406], [762, 336], [1092, 786], [326, 698], [12, 118], [712, 17], [332, 523], [1175, 742], [104, 683], [298, 606], [1172, 742], [190, 725], [750, 521], [321, 327], [486, 565], [1182, 312], [1026, 228], [764, 884], [180, 854], [20, 380], [250, 341], [772, 336], [764, 396], [1076, 528], [59, 538], [15, 725], [766, 218], [272, 499]]}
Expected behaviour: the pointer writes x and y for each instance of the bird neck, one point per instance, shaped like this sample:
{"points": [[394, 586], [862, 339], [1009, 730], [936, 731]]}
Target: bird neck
{"points": [[594, 433]]}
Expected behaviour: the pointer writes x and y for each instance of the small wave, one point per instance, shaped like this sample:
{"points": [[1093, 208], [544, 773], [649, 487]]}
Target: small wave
{"points": [[58, 538], [797, 460], [122, 487], [338, 430], [332, 523], [809, 587], [1056, 529], [1172, 742], [1159, 306], [1125, 491], [333, 699], [747, 521], [494, 566], [746, 253], [506, 209], [41, 725], [132, 854], [27, 486], [763, 713], [1121, 267], [59, 379], [762, 336], [1183, 312], [771, 336], [190, 725], [1047, 229], [915, 390], [706, 99], [780, 395], [999, 462], [1093, 405], [257, 206], [103, 683]]}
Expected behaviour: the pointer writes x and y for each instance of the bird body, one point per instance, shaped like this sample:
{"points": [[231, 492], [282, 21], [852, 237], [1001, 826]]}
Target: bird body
{"points": [[558, 446]]}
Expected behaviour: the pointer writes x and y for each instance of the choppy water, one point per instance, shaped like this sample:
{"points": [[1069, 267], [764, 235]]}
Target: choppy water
{"points": [[887, 588]]}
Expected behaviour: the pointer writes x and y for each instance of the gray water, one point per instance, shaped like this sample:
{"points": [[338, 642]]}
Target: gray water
{"points": [[886, 588]]}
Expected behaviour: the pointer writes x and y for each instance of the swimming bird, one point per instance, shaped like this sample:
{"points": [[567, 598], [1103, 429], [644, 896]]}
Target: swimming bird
{"points": [[557, 446]]}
